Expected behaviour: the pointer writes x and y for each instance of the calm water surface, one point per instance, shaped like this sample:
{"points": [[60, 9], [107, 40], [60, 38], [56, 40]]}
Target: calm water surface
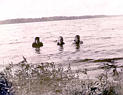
{"points": [[102, 37]]}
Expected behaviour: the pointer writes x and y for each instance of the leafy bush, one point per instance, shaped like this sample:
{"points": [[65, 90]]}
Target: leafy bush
{"points": [[49, 79]]}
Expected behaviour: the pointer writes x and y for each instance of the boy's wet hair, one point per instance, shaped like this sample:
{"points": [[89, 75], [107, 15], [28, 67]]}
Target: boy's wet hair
{"points": [[36, 38], [77, 36]]}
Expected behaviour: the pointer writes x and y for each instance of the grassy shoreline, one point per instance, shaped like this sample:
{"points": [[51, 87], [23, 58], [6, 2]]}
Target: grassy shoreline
{"points": [[49, 79]]}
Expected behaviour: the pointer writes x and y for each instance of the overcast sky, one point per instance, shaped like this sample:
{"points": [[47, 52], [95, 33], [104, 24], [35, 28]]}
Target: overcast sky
{"points": [[44, 8]]}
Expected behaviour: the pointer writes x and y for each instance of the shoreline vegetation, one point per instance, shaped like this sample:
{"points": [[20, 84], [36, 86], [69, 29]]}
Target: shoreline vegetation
{"points": [[44, 19], [50, 79]]}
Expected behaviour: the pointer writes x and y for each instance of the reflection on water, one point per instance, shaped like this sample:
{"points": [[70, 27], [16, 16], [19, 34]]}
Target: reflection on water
{"points": [[61, 48], [37, 50]]}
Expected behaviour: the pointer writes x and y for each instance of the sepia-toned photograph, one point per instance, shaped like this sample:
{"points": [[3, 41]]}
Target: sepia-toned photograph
{"points": [[61, 47]]}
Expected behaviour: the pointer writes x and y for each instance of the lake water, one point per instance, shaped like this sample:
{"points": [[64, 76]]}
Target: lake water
{"points": [[102, 37]]}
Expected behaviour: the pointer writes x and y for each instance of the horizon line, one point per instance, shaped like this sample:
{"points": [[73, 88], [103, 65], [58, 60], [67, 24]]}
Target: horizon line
{"points": [[50, 18]]}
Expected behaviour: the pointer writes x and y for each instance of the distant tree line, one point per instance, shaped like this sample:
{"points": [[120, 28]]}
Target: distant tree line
{"points": [[55, 18]]}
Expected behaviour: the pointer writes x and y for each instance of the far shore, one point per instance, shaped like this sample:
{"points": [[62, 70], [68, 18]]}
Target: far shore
{"points": [[44, 19]]}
